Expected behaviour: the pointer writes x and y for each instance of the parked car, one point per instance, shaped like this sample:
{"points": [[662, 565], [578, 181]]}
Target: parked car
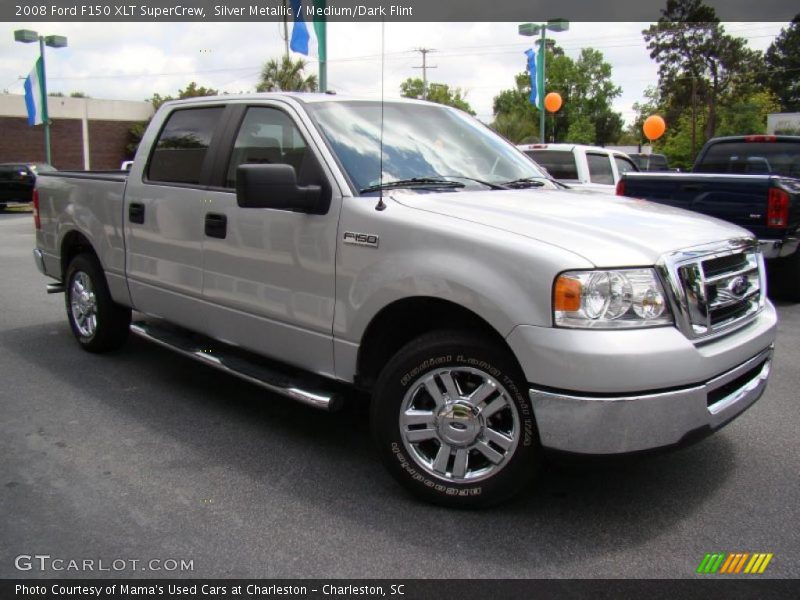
{"points": [[281, 238], [752, 181], [650, 162], [17, 181], [582, 167]]}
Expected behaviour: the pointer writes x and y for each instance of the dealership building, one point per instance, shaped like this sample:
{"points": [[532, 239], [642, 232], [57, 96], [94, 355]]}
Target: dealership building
{"points": [[85, 133]]}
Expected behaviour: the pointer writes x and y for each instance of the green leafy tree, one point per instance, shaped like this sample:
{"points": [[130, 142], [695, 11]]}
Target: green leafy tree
{"points": [[698, 63], [582, 130], [783, 67], [441, 93], [587, 90], [286, 76]]}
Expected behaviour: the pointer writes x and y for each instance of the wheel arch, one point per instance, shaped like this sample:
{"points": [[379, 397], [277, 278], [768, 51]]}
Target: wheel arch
{"points": [[403, 320], [72, 244]]}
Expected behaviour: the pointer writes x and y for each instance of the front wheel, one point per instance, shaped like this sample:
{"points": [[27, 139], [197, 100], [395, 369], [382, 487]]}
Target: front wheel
{"points": [[98, 323], [453, 423]]}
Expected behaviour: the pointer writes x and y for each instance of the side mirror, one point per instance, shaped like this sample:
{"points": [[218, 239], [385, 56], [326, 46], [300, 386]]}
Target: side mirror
{"points": [[274, 186]]}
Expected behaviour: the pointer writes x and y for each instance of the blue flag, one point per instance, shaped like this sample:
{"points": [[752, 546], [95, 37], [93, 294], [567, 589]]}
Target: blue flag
{"points": [[534, 76]]}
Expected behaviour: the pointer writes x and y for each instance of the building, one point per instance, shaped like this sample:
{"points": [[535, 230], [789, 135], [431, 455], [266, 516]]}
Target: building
{"points": [[85, 133], [783, 123]]}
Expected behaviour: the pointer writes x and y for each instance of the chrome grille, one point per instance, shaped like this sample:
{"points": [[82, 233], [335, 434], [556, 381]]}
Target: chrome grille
{"points": [[715, 288]]}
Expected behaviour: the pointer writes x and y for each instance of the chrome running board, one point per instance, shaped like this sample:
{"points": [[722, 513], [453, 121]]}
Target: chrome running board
{"points": [[240, 364]]}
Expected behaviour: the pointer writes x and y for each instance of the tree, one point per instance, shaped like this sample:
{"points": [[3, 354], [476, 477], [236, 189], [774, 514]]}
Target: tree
{"points": [[698, 63], [441, 93], [190, 91], [587, 90], [783, 67], [286, 76]]}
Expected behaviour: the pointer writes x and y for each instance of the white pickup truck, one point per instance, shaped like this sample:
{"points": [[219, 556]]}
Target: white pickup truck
{"points": [[313, 244], [582, 167]]}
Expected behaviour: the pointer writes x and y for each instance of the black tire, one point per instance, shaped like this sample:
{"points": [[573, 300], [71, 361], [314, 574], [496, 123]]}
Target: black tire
{"points": [[111, 321], [787, 276], [462, 431]]}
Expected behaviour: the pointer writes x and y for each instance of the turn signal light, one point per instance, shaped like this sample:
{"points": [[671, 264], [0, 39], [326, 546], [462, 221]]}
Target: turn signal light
{"points": [[567, 294]]}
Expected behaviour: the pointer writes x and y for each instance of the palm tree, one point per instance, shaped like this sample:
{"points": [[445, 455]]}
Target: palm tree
{"points": [[287, 76]]}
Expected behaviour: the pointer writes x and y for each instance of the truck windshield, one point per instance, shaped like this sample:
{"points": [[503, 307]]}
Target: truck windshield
{"points": [[420, 142], [752, 158]]}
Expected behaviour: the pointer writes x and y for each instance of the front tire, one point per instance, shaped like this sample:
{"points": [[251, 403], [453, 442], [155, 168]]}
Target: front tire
{"points": [[98, 323], [453, 423]]}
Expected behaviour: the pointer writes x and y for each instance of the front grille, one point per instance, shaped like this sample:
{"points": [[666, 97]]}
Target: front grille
{"points": [[716, 288]]}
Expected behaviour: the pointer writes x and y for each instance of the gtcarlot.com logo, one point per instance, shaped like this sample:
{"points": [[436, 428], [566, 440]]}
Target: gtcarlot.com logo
{"points": [[734, 563], [45, 562]]}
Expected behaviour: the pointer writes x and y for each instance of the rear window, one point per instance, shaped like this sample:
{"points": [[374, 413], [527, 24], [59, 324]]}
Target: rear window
{"points": [[560, 165], [752, 158], [182, 145], [624, 165], [600, 168], [657, 162]]}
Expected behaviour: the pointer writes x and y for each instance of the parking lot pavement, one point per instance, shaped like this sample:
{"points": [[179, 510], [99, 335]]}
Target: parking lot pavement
{"points": [[144, 455]]}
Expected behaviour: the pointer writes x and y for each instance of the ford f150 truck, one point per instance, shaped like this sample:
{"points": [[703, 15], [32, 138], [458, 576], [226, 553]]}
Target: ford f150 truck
{"points": [[752, 181], [313, 244]]}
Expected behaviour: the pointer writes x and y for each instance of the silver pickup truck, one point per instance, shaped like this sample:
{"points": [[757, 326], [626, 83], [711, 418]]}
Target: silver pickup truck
{"points": [[314, 244]]}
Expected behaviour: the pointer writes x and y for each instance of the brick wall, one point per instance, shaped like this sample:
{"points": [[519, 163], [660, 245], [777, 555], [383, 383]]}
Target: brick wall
{"points": [[107, 141]]}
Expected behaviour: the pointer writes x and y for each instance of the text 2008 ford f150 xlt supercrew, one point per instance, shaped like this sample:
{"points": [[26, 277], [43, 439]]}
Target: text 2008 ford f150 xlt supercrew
{"points": [[489, 314]]}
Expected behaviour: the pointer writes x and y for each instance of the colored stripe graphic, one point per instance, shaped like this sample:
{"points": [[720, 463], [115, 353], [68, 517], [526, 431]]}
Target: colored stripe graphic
{"points": [[724, 563]]}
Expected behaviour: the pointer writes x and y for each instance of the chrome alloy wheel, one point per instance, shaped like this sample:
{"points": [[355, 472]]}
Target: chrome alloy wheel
{"points": [[459, 424], [83, 304]]}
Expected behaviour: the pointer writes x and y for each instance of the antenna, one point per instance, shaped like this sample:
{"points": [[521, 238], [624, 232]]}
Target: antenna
{"points": [[425, 66], [381, 205]]}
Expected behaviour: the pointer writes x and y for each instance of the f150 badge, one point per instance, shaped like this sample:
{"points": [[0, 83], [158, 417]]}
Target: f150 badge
{"points": [[361, 239]]}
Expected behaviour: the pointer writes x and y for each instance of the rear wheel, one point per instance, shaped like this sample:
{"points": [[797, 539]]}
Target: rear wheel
{"points": [[785, 277], [453, 423], [98, 323]]}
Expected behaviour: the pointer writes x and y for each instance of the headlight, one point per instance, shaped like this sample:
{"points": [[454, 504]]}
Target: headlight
{"points": [[610, 299]]}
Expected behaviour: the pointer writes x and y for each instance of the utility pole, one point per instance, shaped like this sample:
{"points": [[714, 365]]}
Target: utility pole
{"points": [[286, 28], [425, 66]]}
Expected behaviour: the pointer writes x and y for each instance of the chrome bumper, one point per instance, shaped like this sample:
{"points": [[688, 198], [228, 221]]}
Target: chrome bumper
{"points": [[778, 248], [630, 423]]}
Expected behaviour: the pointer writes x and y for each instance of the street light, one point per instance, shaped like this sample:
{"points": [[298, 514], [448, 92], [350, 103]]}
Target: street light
{"points": [[26, 36], [531, 29]]}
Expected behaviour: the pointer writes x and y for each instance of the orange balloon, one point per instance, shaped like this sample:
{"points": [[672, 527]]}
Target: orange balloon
{"points": [[552, 101], [654, 127]]}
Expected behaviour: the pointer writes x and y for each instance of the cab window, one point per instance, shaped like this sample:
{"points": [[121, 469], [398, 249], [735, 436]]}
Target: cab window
{"points": [[269, 136]]}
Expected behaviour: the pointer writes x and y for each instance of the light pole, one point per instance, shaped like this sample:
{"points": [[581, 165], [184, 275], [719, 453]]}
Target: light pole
{"points": [[531, 29], [26, 36]]}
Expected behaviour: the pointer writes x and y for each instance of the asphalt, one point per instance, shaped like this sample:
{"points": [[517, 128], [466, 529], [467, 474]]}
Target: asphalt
{"points": [[143, 454]]}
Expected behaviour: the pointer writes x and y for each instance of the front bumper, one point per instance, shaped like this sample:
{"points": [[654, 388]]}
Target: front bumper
{"points": [[629, 423], [778, 248]]}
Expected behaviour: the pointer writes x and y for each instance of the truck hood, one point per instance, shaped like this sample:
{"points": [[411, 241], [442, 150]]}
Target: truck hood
{"points": [[608, 231]]}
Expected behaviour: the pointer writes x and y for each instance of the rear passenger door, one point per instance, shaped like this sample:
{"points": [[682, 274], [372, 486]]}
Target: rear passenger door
{"points": [[268, 276], [164, 218]]}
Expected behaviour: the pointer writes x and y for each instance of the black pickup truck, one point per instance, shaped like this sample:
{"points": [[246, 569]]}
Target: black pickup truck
{"points": [[752, 181]]}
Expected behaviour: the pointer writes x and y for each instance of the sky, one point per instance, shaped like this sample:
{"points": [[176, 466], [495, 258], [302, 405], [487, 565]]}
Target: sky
{"points": [[132, 61]]}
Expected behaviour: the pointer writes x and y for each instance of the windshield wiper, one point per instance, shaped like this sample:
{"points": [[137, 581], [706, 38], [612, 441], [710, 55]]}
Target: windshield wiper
{"points": [[489, 184], [524, 182], [411, 183]]}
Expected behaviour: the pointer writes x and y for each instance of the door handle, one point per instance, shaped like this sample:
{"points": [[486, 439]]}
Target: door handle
{"points": [[136, 212], [216, 225], [692, 187]]}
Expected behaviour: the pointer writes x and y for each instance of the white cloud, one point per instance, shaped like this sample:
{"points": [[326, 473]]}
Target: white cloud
{"points": [[133, 61]]}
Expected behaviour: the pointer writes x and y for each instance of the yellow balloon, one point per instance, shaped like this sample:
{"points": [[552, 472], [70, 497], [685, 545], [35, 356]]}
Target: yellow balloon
{"points": [[552, 101], [654, 127]]}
